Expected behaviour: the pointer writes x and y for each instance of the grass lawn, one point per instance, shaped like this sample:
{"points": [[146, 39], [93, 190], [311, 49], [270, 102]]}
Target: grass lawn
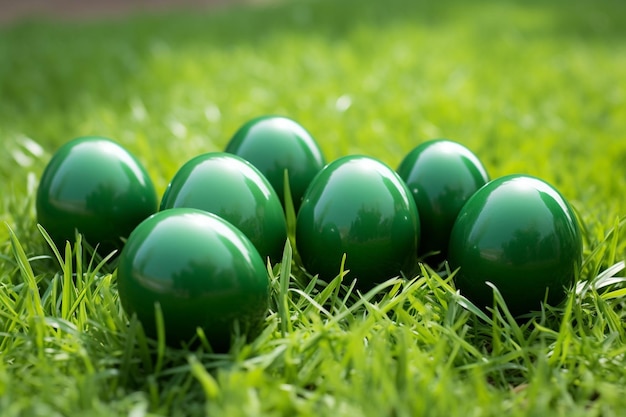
{"points": [[530, 86]]}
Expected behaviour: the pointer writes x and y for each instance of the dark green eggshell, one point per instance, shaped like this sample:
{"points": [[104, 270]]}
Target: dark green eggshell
{"points": [[274, 144], [201, 270], [520, 234], [442, 175], [359, 206], [97, 187], [232, 188]]}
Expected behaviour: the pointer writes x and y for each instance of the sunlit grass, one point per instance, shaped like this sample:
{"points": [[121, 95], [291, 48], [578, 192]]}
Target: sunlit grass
{"points": [[530, 87]]}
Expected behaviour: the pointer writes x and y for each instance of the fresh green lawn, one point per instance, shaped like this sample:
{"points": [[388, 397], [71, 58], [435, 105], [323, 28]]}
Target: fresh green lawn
{"points": [[530, 86]]}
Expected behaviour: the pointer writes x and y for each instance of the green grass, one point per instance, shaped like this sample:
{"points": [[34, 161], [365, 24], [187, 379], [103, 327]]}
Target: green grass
{"points": [[531, 87]]}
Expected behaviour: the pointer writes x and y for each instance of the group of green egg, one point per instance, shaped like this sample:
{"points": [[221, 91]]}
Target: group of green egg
{"points": [[203, 256]]}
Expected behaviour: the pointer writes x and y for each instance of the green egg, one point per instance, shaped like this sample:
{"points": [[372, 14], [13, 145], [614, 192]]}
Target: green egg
{"points": [[442, 175], [360, 207], [201, 270], [520, 234], [274, 144], [95, 186], [232, 188]]}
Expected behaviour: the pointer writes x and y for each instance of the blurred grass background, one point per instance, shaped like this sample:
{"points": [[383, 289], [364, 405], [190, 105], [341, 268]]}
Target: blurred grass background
{"points": [[534, 87]]}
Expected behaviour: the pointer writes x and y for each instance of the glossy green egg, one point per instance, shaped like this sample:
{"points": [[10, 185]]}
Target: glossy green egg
{"points": [[232, 188], [442, 175], [201, 270], [521, 235], [95, 186], [274, 144], [359, 206]]}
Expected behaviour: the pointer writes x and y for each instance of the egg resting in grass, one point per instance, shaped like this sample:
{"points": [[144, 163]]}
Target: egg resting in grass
{"points": [[201, 270], [359, 206], [96, 187], [521, 235], [442, 175], [274, 144], [232, 188]]}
